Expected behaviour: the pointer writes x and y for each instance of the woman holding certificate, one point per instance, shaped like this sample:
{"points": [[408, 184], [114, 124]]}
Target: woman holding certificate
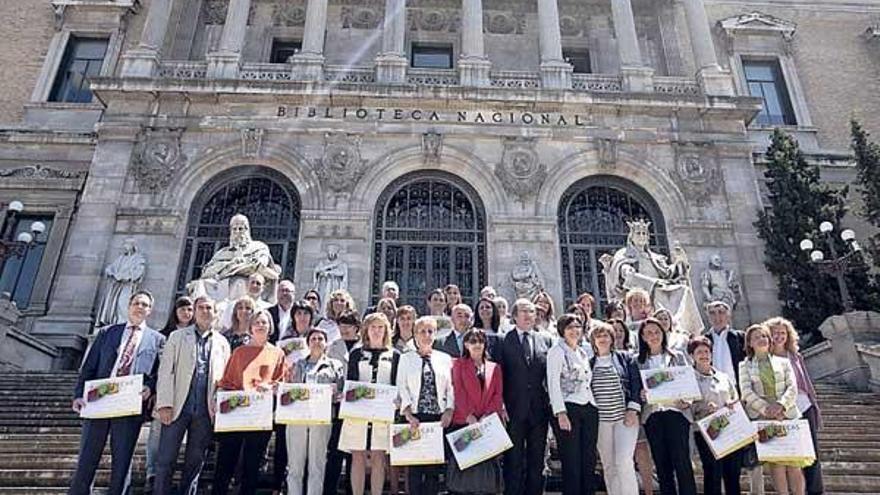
{"points": [[667, 425], [769, 392], [785, 344], [257, 365], [718, 390], [425, 387], [617, 388], [576, 419], [374, 362], [478, 385], [309, 442]]}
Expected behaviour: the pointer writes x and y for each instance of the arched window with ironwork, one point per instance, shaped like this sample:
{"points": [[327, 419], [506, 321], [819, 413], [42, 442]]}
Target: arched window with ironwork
{"points": [[430, 232], [266, 197], [592, 221]]}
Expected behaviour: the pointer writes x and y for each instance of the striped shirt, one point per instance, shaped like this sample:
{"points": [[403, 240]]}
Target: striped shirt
{"points": [[607, 390]]}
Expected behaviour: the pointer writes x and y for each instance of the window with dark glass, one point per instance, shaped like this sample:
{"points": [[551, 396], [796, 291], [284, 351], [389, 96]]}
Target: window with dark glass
{"points": [[579, 58], [431, 56], [283, 50], [19, 273], [764, 79], [82, 60]]}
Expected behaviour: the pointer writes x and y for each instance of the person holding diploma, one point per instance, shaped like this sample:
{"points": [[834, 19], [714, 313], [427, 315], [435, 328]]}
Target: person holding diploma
{"points": [[310, 442], [769, 392], [524, 365], [426, 395], [785, 344], [374, 362], [617, 388], [126, 349], [258, 365], [666, 426], [718, 390], [478, 385], [576, 419]]}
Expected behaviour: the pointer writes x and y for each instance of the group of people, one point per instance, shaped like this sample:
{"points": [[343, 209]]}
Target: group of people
{"points": [[568, 374]]}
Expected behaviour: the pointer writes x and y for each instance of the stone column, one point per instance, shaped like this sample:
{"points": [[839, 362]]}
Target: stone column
{"points": [[226, 62], [711, 77], [555, 71], [308, 64], [391, 62], [473, 66], [143, 61], [635, 76]]}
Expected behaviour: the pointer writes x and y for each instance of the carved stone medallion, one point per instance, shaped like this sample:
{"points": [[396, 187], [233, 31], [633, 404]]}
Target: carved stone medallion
{"points": [[520, 170], [698, 177], [288, 14], [434, 20], [361, 17], [157, 157], [341, 166], [214, 12], [504, 22]]}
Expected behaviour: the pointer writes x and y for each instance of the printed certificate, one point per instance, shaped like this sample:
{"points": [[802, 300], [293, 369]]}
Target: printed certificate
{"points": [[294, 349], [478, 442], [368, 402], [785, 442], [243, 411], [668, 385], [113, 397], [727, 430], [304, 404], [418, 447]]}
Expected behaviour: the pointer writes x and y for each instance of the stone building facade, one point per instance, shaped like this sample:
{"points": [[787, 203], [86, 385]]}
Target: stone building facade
{"points": [[430, 141]]}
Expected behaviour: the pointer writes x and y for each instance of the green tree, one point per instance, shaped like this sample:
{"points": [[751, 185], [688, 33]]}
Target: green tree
{"points": [[868, 166], [799, 202]]}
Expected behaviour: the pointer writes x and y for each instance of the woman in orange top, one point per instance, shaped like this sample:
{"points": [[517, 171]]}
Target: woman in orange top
{"points": [[258, 365]]}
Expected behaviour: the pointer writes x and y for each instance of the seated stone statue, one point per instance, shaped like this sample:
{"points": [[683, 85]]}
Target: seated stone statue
{"points": [[668, 283]]}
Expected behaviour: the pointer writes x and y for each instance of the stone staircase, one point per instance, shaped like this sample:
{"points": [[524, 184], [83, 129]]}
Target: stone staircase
{"points": [[39, 437]]}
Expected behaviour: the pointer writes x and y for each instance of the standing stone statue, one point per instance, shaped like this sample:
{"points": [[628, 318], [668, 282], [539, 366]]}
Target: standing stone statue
{"points": [[668, 283], [125, 274], [331, 273], [525, 277], [719, 283]]}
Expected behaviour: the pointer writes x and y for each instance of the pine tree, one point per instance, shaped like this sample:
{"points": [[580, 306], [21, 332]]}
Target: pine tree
{"points": [[868, 167], [799, 202]]}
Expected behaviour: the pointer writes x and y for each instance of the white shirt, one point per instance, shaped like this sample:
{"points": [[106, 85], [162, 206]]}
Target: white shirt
{"points": [[124, 340], [283, 320], [721, 359], [575, 364]]}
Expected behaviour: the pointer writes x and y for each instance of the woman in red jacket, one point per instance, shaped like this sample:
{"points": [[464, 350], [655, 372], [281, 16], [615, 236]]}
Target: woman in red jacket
{"points": [[477, 387]]}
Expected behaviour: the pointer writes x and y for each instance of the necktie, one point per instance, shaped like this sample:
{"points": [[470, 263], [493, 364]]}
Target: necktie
{"points": [[127, 359], [527, 348]]}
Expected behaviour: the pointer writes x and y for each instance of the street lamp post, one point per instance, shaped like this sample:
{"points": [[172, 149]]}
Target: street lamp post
{"points": [[836, 266], [18, 247]]}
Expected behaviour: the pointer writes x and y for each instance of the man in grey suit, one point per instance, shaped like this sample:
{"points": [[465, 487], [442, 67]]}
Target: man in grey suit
{"points": [[192, 364], [129, 348]]}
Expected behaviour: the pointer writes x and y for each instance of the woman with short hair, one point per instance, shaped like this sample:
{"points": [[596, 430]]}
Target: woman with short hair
{"points": [[375, 361], [403, 329], [769, 392]]}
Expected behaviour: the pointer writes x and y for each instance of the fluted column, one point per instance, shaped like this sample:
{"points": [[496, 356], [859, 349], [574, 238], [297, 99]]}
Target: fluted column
{"points": [[555, 72], [635, 76], [711, 77], [308, 64], [143, 61], [473, 65], [226, 62], [391, 62]]}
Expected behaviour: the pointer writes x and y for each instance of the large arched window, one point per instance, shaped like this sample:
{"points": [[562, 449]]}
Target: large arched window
{"points": [[592, 221], [265, 196], [430, 231]]}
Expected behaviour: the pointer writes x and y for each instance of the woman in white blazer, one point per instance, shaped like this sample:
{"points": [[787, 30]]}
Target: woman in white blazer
{"points": [[424, 381], [769, 392]]}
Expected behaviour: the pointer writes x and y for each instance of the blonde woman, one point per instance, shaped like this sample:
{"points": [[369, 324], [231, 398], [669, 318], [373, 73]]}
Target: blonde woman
{"points": [[374, 362], [769, 391], [338, 302], [237, 334], [785, 344]]}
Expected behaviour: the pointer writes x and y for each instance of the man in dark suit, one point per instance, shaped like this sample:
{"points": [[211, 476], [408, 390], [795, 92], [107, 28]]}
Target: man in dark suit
{"points": [[524, 368], [280, 312], [129, 348], [462, 321]]}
